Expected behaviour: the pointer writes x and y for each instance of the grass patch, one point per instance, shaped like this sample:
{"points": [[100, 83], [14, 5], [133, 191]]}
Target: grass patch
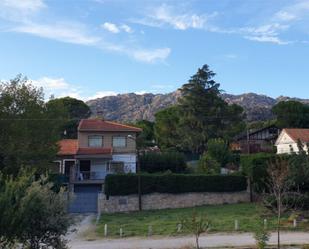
{"points": [[164, 222]]}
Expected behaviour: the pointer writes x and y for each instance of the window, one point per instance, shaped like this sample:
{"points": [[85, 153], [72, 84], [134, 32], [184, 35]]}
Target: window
{"points": [[119, 141], [95, 141]]}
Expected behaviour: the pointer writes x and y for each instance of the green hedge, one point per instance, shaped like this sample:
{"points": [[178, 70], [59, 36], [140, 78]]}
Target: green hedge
{"points": [[160, 162], [125, 184]]}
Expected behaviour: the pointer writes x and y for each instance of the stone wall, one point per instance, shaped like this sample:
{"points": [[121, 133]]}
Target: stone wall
{"points": [[163, 201]]}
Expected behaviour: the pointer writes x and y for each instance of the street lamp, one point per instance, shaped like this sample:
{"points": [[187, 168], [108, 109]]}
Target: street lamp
{"points": [[138, 171]]}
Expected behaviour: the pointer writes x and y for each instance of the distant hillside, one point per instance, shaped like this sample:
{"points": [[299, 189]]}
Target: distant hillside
{"points": [[131, 107]]}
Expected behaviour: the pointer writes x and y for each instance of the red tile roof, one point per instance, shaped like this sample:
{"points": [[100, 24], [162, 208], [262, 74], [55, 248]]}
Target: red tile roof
{"points": [[298, 134], [103, 125], [67, 147], [94, 151]]}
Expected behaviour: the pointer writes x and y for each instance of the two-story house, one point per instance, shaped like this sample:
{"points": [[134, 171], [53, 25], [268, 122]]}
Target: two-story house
{"points": [[102, 147]]}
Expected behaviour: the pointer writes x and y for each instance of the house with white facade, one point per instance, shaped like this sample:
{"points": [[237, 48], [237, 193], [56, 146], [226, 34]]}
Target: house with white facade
{"points": [[102, 148], [288, 140]]}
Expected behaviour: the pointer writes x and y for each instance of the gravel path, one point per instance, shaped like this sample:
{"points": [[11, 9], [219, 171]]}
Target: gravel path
{"points": [[77, 241]]}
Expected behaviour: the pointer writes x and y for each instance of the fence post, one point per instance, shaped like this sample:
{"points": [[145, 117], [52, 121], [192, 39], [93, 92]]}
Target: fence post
{"points": [[179, 226], [149, 230], [294, 223], [236, 225], [105, 230], [265, 223], [120, 232]]}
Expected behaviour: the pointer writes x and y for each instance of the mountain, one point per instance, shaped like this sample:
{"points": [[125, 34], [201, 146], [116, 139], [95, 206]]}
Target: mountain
{"points": [[131, 107]]}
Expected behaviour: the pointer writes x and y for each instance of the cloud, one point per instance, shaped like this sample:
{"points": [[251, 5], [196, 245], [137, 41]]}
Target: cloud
{"points": [[126, 28], [72, 32], [150, 56], [114, 28], [51, 83], [270, 39], [284, 16], [167, 15], [266, 33], [101, 94], [23, 5], [111, 27], [64, 32]]}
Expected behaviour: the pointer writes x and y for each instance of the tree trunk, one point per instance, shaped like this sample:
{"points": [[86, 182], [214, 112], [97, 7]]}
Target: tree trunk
{"points": [[278, 221], [197, 242]]}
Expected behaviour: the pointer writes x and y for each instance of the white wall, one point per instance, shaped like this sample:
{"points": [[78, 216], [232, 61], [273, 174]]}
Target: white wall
{"points": [[129, 161], [286, 145]]}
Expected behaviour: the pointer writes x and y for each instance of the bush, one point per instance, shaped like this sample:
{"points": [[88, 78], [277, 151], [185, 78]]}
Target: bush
{"points": [[126, 184], [160, 162], [208, 165], [255, 166], [32, 213]]}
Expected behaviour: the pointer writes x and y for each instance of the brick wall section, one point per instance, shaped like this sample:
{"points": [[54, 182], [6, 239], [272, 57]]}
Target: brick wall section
{"points": [[155, 201]]}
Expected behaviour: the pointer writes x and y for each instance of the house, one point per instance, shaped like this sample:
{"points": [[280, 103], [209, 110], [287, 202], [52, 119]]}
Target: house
{"points": [[288, 140], [257, 140], [102, 147]]}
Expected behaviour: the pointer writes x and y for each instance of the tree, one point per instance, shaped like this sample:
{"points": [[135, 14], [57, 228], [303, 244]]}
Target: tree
{"points": [[147, 136], [196, 225], [291, 114], [166, 128], [75, 110], [31, 213], [279, 186], [203, 114], [29, 129]]}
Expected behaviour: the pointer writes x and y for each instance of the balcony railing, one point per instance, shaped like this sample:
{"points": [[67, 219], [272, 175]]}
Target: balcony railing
{"points": [[91, 175]]}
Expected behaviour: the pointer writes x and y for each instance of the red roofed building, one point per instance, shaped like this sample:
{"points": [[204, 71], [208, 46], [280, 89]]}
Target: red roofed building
{"points": [[288, 140], [102, 147]]}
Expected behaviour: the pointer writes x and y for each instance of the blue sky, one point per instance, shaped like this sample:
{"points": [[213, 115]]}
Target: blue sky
{"points": [[94, 48]]}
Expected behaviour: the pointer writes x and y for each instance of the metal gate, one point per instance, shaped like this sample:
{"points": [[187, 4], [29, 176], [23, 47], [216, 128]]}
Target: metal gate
{"points": [[85, 199]]}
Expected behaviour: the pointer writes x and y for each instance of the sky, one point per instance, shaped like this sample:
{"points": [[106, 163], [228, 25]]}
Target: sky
{"points": [[94, 48]]}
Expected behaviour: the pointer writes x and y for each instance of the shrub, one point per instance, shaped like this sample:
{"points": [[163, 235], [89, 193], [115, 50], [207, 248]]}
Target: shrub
{"points": [[160, 162], [126, 184], [261, 236], [255, 166], [208, 165]]}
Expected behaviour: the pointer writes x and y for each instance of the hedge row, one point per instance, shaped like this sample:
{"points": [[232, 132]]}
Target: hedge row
{"points": [[126, 184]]}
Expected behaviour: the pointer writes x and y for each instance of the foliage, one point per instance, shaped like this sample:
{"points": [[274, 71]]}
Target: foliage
{"points": [[261, 236], [291, 114], [32, 213], [166, 128], [203, 113], [75, 110], [160, 162], [208, 165], [147, 137], [126, 184], [200, 115], [254, 166], [299, 168], [29, 129], [196, 224]]}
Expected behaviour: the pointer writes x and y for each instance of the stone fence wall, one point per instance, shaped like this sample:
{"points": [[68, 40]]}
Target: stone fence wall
{"points": [[155, 201]]}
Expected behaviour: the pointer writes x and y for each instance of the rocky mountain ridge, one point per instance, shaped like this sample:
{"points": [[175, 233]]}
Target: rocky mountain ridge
{"points": [[131, 107]]}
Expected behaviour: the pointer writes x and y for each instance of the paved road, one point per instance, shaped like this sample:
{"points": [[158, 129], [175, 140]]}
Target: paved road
{"points": [[213, 240]]}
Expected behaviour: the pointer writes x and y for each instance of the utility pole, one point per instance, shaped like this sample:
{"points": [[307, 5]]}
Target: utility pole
{"points": [[138, 171]]}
